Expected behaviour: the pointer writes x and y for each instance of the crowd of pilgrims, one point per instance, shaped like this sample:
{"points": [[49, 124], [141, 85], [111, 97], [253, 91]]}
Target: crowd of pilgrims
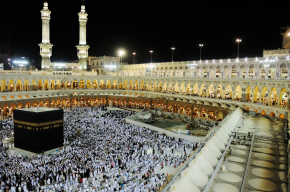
{"points": [[101, 153]]}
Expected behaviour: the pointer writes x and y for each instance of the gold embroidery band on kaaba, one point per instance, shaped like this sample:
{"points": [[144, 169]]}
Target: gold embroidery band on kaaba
{"points": [[38, 124]]}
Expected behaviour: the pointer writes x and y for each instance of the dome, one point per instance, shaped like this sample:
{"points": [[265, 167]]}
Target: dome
{"points": [[209, 156], [221, 137], [218, 142], [213, 148], [195, 175], [203, 164], [184, 185]]}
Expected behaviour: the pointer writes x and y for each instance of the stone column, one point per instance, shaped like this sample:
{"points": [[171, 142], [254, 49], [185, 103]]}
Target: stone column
{"points": [[215, 115], [281, 74], [243, 94], [278, 99], [277, 74], [252, 93], [247, 73], [288, 99], [266, 73]]}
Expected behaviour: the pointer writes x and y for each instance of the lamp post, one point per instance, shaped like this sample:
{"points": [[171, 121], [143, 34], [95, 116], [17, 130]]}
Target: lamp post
{"points": [[133, 56], [238, 41], [200, 45], [20, 67], [172, 48], [20, 63], [120, 54], [151, 55]]}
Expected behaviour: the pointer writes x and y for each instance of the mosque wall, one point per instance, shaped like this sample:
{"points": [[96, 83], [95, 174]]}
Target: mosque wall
{"points": [[268, 67], [180, 95]]}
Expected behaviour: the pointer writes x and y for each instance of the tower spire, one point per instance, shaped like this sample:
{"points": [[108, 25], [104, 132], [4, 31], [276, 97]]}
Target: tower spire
{"points": [[82, 47], [45, 45]]}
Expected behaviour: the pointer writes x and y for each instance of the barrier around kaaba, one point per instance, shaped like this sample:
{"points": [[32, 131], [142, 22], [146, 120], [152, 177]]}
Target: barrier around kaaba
{"points": [[38, 129]]}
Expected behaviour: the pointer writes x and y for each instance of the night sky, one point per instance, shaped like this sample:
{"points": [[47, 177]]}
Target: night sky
{"points": [[140, 26]]}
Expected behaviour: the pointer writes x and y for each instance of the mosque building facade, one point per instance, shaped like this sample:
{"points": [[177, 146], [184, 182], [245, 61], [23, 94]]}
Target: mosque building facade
{"points": [[205, 90]]}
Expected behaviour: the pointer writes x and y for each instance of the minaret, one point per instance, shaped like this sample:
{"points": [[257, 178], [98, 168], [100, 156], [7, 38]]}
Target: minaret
{"points": [[45, 46], [83, 48]]}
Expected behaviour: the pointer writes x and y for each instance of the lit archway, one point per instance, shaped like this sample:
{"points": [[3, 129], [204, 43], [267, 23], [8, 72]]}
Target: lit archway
{"points": [[263, 112], [26, 85], [188, 89], [52, 105], [40, 85], [46, 84], [34, 104], [272, 114], [28, 105], [248, 94], [82, 84], [57, 85], [202, 92], [19, 106], [273, 97], [283, 98], [219, 92], [176, 88], [19, 85], [115, 84], [108, 84], [238, 93], [211, 91], [89, 84], [228, 93], [52, 85], [46, 104], [95, 84], [40, 104], [3, 85], [75, 84], [102, 84], [256, 95], [282, 116], [11, 85]]}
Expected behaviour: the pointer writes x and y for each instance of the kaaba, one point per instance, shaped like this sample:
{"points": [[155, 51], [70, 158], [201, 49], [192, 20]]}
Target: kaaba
{"points": [[38, 129]]}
